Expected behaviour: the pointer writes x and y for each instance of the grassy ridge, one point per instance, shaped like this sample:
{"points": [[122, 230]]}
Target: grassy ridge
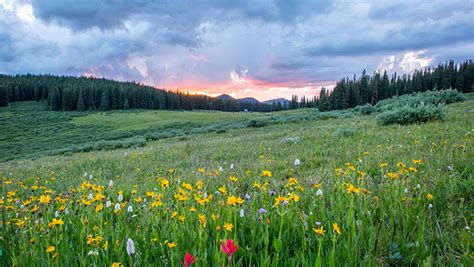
{"points": [[29, 130], [401, 195], [136, 120]]}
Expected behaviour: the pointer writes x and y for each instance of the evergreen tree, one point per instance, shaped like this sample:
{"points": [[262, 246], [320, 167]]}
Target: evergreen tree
{"points": [[125, 104], [4, 96], [80, 102], [104, 102]]}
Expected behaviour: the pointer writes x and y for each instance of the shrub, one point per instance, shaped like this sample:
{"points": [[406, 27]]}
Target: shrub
{"points": [[336, 114], [257, 123], [409, 114], [429, 97], [345, 132], [366, 109]]}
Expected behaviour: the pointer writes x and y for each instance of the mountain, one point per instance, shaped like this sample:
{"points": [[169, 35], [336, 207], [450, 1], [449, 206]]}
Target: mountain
{"points": [[282, 101], [250, 100], [225, 97]]}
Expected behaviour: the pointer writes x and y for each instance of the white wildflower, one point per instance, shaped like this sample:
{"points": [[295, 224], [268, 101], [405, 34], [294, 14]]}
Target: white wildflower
{"points": [[319, 192], [242, 213], [130, 247], [93, 253], [297, 162], [108, 203], [130, 209], [117, 207], [111, 183], [120, 197]]}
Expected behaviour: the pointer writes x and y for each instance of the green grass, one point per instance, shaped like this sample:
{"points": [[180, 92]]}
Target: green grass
{"points": [[384, 227], [30, 130], [137, 120]]}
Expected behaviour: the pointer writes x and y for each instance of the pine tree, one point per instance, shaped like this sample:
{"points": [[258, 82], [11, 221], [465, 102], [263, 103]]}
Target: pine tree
{"points": [[80, 102], [104, 102], [4, 96], [125, 104]]}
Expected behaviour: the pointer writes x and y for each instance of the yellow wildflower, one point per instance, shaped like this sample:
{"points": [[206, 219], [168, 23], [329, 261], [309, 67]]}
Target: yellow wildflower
{"points": [[171, 245], [45, 199], [223, 190], [165, 183], [202, 220], [50, 249], [231, 200], [228, 226], [336, 228], [319, 231], [99, 207], [55, 222]]}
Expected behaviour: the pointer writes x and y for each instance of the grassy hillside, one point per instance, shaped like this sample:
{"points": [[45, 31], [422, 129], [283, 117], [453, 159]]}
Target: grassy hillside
{"points": [[30, 130], [136, 120], [400, 195]]}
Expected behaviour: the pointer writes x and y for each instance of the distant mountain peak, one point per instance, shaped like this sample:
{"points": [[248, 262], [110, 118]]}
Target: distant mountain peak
{"points": [[248, 100], [225, 97]]}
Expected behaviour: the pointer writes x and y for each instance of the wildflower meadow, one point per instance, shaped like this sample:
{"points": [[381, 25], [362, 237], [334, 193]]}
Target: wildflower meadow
{"points": [[379, 195]]}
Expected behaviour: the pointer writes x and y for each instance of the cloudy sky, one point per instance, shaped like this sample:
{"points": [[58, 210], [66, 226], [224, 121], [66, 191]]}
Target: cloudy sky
{"points": [[263, 48]]}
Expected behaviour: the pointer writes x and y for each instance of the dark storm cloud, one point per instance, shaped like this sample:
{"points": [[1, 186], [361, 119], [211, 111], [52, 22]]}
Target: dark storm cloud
{"points": [[188, 43], [453, 30]]}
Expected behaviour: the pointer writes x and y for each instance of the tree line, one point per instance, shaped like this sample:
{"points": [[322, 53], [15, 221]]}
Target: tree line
{"points": [[68, 93], [368, 89]]}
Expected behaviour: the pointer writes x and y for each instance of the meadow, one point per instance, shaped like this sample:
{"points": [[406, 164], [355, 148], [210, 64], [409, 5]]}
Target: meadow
{"points": [[294, 188]]}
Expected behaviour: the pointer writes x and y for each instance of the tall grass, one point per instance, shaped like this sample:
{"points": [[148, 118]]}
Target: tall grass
{"points": [[397, 195]]}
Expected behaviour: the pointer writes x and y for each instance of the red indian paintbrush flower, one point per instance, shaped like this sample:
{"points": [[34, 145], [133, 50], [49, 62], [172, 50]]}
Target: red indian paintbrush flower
{"points": [[188, 260], [229, 248]]}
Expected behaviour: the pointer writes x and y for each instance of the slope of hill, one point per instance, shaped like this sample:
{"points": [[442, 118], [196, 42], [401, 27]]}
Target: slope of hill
{"points": [[225, 97], [250, 100], [395, 193]]}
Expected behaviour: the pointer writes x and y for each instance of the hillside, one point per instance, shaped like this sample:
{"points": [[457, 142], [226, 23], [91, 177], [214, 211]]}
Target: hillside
{"points": [[363, 192]]}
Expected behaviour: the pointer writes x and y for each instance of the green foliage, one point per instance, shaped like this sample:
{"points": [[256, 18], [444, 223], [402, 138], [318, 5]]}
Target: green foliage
{"points": [[430, 98], [349, 93], [29, 130], [366, 109], [80, 102], [345, 132], [412, 114], [257, 123], [81, 93]]}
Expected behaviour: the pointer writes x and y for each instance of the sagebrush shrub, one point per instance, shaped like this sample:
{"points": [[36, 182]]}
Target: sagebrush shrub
{"points": [[412, 114], [366, 109], [447, 96]]}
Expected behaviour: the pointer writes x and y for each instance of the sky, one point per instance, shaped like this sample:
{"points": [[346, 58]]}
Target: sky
{"points": [[264, 49]]}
